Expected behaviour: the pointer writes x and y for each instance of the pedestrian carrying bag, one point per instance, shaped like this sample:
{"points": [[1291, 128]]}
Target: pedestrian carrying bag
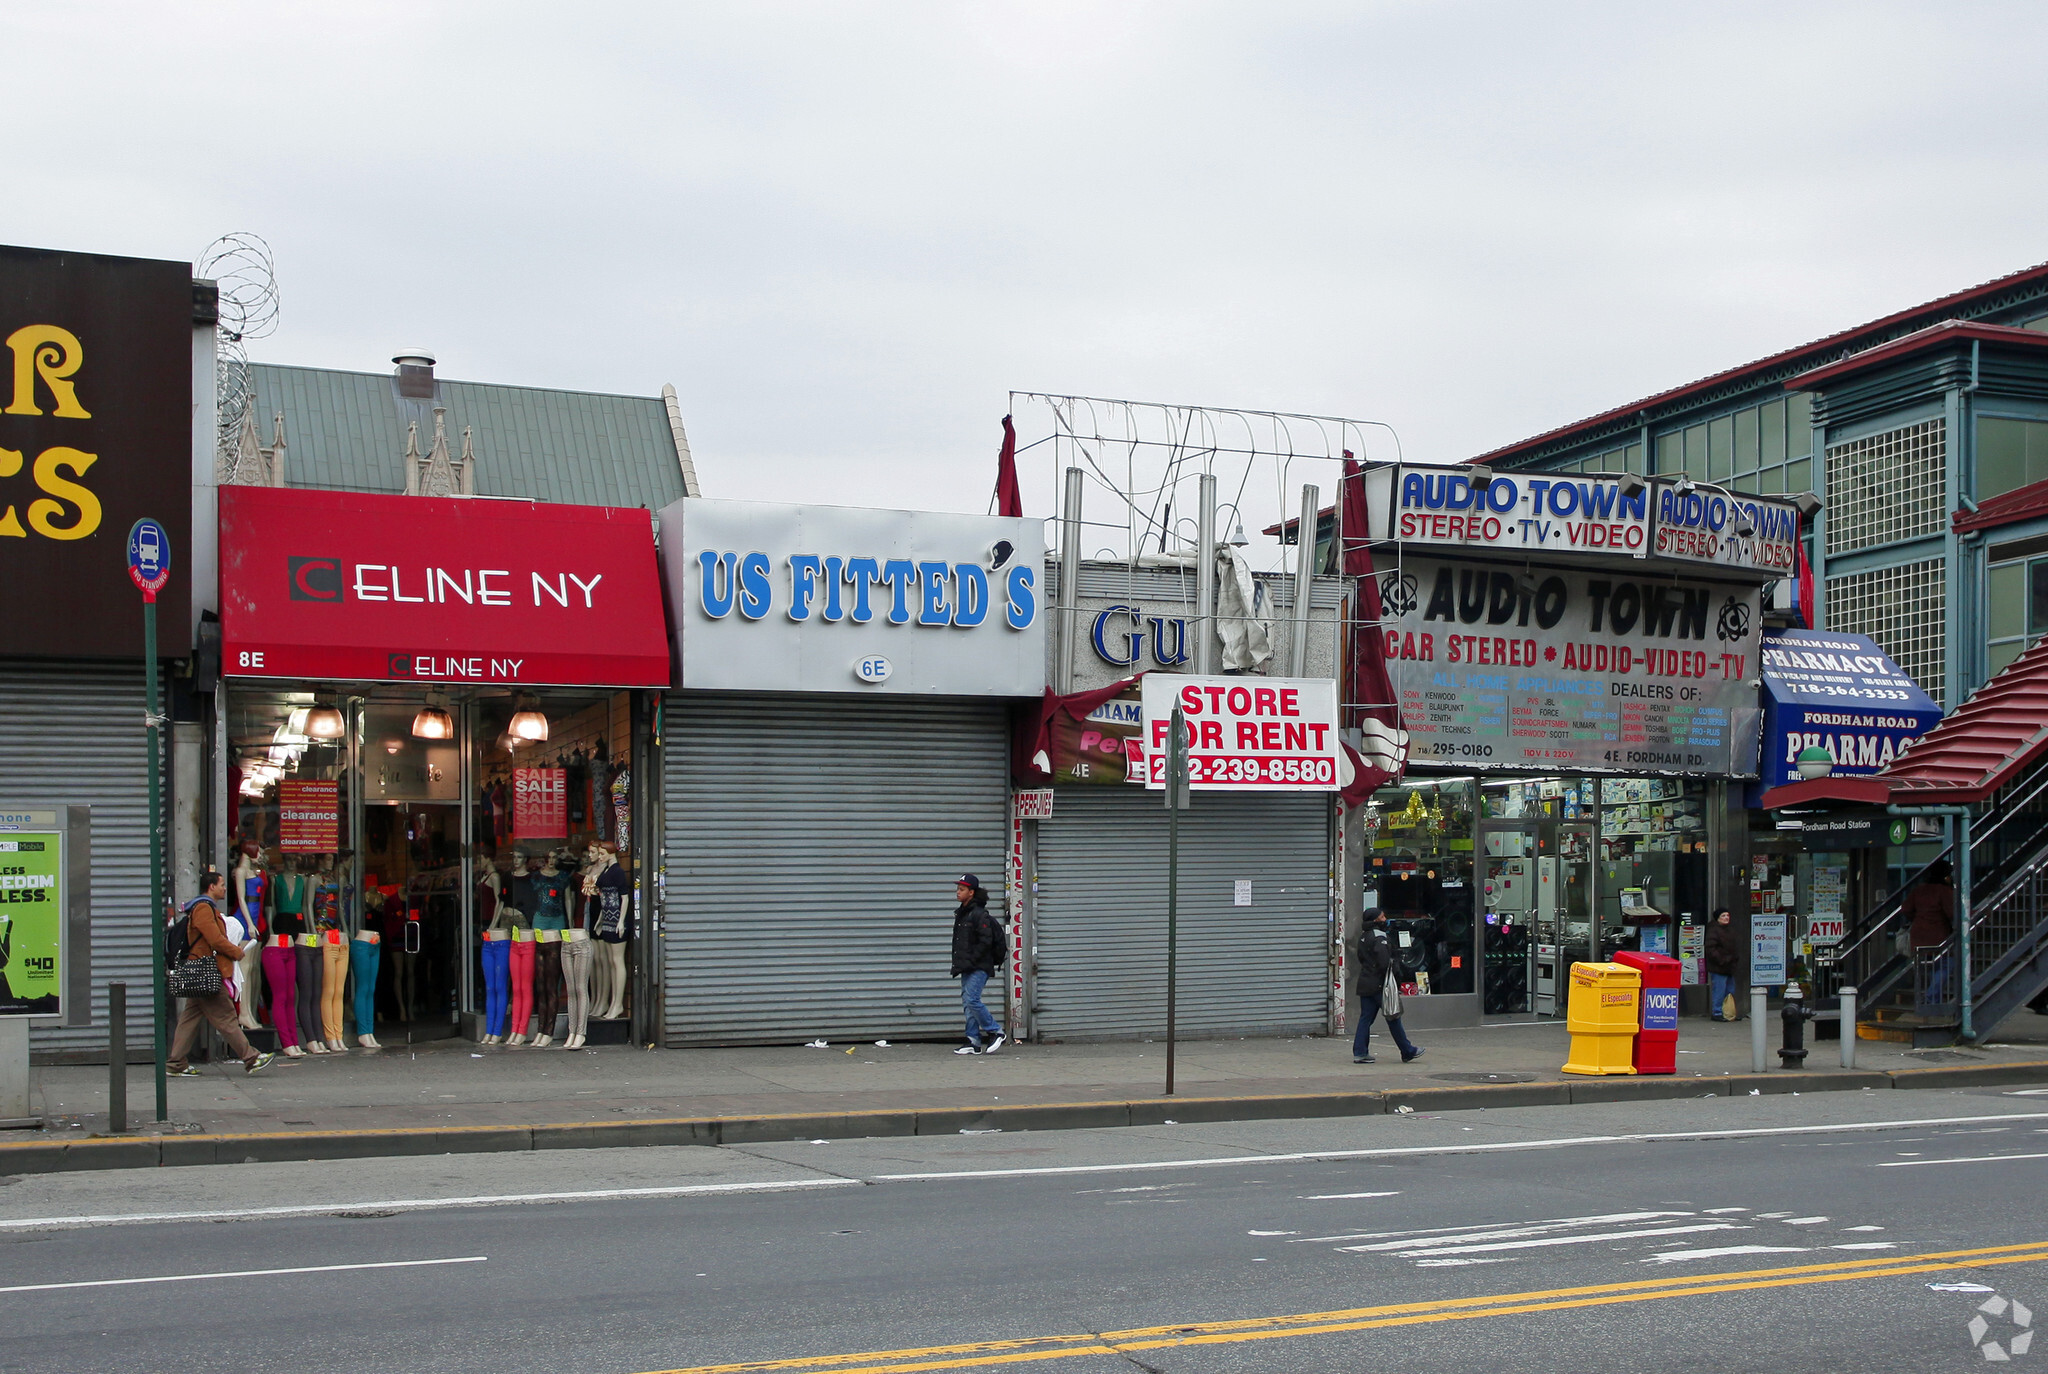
{"points": [[187, 974]]}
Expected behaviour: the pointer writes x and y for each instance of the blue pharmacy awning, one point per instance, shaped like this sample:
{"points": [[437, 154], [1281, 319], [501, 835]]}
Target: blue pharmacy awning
{"points": [[1841, 693]]}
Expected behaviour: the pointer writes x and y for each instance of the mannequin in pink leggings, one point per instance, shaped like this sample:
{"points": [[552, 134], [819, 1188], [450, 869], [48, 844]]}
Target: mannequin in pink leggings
{"points": [[281, 973], [522, 986]]}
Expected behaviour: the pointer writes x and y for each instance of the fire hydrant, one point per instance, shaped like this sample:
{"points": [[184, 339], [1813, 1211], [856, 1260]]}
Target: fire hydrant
{"points": [[1796, 1014]]}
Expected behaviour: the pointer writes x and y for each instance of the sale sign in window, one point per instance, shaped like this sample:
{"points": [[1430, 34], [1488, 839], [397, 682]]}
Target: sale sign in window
{"points": [[540, 803]]}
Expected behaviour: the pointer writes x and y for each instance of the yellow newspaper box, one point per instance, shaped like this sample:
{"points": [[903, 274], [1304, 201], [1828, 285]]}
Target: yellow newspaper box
{"points": [[1603, 1017]]}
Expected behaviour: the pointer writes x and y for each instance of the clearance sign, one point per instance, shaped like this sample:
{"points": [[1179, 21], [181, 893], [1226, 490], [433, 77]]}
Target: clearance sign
{"points": [[1245, 734]]}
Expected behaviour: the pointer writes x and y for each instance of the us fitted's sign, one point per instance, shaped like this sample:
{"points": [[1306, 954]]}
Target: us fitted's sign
{"points": [[775, 597], [356, 587], [1697, 525], [1506, 667], [1245, 734], [1547, 512]]}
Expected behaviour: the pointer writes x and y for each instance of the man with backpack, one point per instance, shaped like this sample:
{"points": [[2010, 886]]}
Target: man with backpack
{"points": [[204, 935], [980, 945]]}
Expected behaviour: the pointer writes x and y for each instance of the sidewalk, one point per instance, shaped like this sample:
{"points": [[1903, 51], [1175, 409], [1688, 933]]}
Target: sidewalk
{"points": [[452, 1096]]}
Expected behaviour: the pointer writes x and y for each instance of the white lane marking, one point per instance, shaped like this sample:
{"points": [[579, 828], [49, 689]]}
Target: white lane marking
{"points": [[1269, 1233], [415, 1204], [1971, 1159], [1724, 1211], [1803, 1221], [1863, 1228], [1719, 1252], [1492, 1229], [1335, 1197], [1440, 1248], [1451, 1263], [1868, 1245], [1772, 1216], [243, 1274], [1423, 1151]]}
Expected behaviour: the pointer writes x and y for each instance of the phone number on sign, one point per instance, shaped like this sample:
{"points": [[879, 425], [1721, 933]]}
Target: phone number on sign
{"points": [[1257, 768]]}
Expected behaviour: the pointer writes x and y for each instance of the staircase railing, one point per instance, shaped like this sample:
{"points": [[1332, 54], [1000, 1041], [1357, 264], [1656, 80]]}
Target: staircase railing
{"points": [[2009, 942]]}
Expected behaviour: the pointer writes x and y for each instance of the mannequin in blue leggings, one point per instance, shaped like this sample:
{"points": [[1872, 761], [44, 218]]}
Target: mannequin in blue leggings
{"points": [[497, 960], [363, 953]]}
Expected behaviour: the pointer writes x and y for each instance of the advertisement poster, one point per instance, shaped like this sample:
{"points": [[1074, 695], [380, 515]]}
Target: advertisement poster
{"points": [[309, 817], [31, 914], [1767, 948], [1106, 748], [540, 803], [1245, 734], [1572, 669], [1841, 693]]}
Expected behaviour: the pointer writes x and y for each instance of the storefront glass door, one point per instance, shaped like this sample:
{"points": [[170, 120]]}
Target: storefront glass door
{"points": [[1507, 891], [413, 900]]}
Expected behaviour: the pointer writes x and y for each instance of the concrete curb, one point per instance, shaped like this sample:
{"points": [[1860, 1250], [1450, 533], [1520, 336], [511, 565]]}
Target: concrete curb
{"points": [[141, 1152]]}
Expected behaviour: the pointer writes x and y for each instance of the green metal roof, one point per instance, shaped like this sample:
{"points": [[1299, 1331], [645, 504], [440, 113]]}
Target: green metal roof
{"points": [[345, 431]]}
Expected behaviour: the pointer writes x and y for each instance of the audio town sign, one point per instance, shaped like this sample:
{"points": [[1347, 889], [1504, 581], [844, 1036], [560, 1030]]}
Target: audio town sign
{"points": [[345, 586]]}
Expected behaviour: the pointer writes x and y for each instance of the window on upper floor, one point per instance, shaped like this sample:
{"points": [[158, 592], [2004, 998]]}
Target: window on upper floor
{"points": [[1886, 488], [1765, 450], [2010, 454], [2016, 608]]}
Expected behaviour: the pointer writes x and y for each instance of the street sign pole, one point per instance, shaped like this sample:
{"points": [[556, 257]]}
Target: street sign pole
{"points": [[1176, 799], [149, 567]]}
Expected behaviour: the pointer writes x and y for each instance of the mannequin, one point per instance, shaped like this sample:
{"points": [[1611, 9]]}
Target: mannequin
{"points": [[576, 977], [362, 958], [280, 973], [520, 961], [622, 807], [614, 927], [248, 887], [497, 957], [311, 977], [490, 896], [334, 957], [547, 979]]}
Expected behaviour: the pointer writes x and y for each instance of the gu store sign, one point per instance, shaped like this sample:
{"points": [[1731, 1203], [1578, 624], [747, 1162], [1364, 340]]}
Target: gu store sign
{"points": [[1572, 669], [786, 598], [346, 586]]}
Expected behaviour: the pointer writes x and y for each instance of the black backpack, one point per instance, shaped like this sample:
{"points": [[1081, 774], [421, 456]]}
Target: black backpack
{"points": [[178, 934]]}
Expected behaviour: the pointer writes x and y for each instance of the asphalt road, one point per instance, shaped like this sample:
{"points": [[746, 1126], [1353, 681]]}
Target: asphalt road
{"points": [[1785, 1234]]}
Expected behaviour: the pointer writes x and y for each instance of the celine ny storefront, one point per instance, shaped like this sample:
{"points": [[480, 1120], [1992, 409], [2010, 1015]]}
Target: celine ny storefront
{"points": [[1577, 664], [434, 733], [836, 755]]}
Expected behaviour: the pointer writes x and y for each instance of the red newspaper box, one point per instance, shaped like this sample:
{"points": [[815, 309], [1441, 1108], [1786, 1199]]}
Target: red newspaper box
{"points": [[1657, 1040]]}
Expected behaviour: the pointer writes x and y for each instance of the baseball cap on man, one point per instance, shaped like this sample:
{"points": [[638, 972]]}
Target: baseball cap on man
{"points": [[968, 880]]}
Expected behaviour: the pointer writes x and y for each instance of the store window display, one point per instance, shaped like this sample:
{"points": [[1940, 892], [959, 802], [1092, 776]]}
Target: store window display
{"points": [[1418, 871]]}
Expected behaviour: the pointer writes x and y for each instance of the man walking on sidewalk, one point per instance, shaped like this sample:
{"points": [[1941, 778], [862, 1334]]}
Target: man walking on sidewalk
{"points": [[208, 936], [979, 947], [1375, 964]]}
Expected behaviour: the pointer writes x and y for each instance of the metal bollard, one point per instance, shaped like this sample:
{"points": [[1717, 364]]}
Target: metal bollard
{"points": [[117, 1057], [1759, 1051], [1849, 1028]]}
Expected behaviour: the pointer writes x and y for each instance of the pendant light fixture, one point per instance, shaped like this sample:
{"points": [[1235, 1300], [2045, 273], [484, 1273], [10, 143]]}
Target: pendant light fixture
{"points": [[433, 721], [528, 725], [324, 721]]}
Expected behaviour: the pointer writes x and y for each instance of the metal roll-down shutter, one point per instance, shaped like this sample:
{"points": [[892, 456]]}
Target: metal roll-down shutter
{"points": [[812, 844], [1100, 921]]}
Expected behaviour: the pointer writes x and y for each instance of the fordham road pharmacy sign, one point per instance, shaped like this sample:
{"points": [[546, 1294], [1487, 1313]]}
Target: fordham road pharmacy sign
{"points": [[1573, 669]]}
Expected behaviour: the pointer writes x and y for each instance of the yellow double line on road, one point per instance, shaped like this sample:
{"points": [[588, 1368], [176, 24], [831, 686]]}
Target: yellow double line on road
{"points": [[980, 1354]]}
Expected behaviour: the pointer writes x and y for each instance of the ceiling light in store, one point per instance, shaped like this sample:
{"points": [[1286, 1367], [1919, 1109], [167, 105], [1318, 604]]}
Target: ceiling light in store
{"points": [[528, 725], [324, 721], [295, 725], [392, 746], [433, 721]]}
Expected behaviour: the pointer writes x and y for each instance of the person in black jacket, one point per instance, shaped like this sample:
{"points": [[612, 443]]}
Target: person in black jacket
{"points": [[1375, 959], [979, 948]]}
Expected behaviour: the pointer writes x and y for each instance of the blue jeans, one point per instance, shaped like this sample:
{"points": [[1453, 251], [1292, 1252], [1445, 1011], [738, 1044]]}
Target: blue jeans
{"points": [[980, 1025], [1368, 1009], [1721, 986]]}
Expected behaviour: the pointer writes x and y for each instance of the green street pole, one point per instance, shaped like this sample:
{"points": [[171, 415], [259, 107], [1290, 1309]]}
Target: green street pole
{"points": [[1176, 792], [156, 849]]}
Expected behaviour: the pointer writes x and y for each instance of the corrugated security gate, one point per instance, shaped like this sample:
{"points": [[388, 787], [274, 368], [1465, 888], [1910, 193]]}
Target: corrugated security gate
{"points": [[1099, 927], [812, 843], [71, 733]]}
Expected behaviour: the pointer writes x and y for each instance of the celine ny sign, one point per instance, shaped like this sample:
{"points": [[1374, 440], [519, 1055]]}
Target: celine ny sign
{"points": [[95, 433], [773, 597], [1245, 734], [343, 586]]}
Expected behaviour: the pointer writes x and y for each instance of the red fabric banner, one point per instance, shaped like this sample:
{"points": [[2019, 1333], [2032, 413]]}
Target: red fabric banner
{"points": [[1009, 496]]}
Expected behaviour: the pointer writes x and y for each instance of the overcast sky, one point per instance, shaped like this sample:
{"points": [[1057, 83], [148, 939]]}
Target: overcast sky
{"points": [[845, 232]]}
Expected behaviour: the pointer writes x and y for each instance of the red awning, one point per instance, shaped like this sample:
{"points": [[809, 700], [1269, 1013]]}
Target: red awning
{"points": [[350, 587], [1978, 749]]}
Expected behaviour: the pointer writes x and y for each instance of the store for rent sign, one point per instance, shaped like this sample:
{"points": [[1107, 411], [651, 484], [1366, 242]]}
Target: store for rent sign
{"points": [[354, 587], [1245, 734], [95, 434]]}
